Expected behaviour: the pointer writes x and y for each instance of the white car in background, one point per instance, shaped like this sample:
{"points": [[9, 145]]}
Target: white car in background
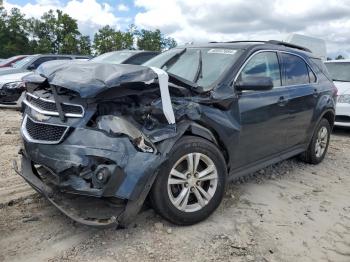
{"points": [[11, 90], [339, 70]]}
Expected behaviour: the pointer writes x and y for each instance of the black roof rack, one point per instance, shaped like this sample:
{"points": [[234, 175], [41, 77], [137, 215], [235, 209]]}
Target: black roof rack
{"points": [[244, 41], [273, 42]]}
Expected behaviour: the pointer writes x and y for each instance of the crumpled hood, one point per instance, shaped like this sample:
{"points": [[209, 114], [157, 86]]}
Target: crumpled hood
{"points": [[343, 87], [88, 78]]}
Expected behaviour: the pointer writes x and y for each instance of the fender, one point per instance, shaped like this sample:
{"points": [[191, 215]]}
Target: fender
{"points": [[203, 132], [329, 110], [325, 104]]}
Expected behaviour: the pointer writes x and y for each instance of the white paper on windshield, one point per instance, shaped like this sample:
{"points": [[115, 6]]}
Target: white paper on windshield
{"points": [[163, 79], [222, 51]]}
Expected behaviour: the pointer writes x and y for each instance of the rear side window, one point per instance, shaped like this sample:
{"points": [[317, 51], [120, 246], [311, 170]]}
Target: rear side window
{"points": [[296, 71], [263, 64]]}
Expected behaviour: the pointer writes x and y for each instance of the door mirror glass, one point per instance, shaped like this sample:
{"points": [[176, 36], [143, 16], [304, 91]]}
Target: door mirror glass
{"points": [[254, 83], [262, 72]]}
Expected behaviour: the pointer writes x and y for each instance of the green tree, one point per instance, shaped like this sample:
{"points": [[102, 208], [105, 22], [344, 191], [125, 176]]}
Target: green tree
{"points": [[154, 40], [107, 39], [339, 57], [13, 33], [57, 32], [170, 43], [85, 45]]}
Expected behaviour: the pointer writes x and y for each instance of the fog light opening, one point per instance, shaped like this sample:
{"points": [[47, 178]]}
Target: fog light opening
{"points": [[102, 175]]}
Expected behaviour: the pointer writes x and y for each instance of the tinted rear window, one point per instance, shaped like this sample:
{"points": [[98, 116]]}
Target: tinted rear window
{"points": [[296, 72]]}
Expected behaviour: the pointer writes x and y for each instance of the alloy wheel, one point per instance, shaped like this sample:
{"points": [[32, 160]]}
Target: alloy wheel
{"points": [[321, 142], [192, 182]]}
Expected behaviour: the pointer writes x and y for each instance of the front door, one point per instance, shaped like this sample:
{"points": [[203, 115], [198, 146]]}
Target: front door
{"points": [[263, 114]]}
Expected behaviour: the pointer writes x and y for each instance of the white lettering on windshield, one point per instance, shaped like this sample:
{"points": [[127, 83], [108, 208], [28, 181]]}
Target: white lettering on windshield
{"points": [[222, 51]]}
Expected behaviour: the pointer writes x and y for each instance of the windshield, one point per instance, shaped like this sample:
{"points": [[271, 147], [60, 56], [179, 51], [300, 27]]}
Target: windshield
{"points": [[339, 71], [113, 57], [22, 62], [202, 66]]}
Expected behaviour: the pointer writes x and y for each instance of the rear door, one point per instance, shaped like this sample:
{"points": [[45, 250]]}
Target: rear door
{"points": [[263, 114], [301, 83]]}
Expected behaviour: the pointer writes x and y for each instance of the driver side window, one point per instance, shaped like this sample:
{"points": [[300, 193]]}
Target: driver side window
{"points": [[264, 64]]}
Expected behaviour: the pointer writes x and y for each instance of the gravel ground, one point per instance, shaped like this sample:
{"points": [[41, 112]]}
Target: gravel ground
{"points": [[287, 212]]}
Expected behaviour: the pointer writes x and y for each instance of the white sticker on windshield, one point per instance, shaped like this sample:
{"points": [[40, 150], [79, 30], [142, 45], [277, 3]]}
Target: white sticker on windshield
{"points": [[222, 51]]}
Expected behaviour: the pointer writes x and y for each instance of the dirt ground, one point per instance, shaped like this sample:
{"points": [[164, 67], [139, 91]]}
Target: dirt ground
{"points": [[287, 212]]}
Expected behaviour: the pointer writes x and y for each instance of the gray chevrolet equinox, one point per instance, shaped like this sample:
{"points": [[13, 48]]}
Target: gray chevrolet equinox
{"points": [[99, 139]]}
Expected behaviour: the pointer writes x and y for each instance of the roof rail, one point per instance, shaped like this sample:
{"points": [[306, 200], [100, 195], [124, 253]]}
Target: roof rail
{"points": [[244, 41], [275, 42]]}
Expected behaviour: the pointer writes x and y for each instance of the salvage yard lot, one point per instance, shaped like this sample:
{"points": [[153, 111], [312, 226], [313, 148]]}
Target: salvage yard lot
{"points": [[288, 212]]}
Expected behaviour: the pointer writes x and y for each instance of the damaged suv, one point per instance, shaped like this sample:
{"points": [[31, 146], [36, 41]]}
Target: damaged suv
{"points": [[100, 138]]}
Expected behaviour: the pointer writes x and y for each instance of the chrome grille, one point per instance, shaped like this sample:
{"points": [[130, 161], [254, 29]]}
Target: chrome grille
{"points": [[43, 133], [48, 107]]}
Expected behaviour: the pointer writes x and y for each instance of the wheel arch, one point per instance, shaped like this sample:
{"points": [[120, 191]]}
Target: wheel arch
{"points": [[330, 116], [198, 130]]}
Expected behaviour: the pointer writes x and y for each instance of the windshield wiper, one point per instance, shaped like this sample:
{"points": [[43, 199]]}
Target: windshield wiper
{"points": [[173, 59], [199, 69]]}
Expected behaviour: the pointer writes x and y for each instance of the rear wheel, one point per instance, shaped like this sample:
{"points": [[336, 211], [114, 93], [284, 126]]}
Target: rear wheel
{"points": [[191, 184], [319, 143]]}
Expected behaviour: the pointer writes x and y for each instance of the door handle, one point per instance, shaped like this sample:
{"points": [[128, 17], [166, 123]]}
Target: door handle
{"points": [[282, 101], [315, 92]]}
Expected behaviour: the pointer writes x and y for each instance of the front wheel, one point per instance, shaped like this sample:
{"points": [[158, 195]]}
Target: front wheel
{"points": [[191, 184], [319, 143]]}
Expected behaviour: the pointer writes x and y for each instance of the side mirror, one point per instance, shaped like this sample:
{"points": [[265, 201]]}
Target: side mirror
{"points": [[31, 67], [255, 83]]}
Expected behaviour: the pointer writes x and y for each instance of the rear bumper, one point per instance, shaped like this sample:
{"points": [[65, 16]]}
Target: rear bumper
{"points": [[342, 117], [84, 210]]}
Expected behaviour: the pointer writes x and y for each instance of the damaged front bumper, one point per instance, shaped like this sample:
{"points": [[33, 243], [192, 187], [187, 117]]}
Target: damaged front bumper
{"points": [[92, 212], [88, 172]]}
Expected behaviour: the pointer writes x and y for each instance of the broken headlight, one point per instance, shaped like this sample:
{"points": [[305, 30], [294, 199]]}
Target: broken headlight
{"points": [[119, 125]]}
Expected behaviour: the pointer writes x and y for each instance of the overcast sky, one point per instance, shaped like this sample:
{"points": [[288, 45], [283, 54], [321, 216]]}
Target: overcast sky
{"points": [[210, 20]]}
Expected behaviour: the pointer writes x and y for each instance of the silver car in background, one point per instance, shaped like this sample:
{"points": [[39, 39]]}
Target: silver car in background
{"points": [[339, 71]]}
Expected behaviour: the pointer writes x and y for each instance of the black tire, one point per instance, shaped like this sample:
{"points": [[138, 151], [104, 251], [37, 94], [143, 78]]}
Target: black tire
{"points": [[159, 196], [309, 156]]}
